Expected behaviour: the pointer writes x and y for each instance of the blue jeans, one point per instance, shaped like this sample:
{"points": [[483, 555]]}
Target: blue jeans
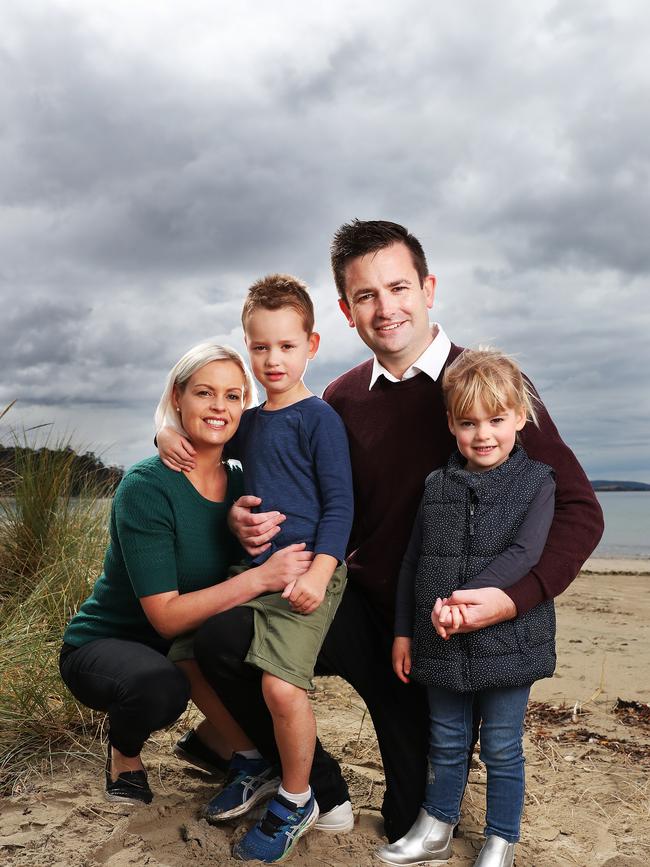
{"points": [[502, 720]]}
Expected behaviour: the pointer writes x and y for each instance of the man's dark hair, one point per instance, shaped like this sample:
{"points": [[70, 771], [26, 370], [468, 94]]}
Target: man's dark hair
{"points": [[360, 237]]}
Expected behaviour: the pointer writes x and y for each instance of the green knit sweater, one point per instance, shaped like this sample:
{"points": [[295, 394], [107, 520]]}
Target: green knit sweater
{"points": [[163, 536]]}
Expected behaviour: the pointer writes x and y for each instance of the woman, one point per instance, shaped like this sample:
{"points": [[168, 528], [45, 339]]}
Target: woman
{"points": [[168, 552]]}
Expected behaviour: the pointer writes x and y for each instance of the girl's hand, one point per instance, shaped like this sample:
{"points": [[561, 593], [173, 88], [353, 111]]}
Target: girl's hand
{"points": [[448, 618], [402, 657], [482, 607], [438, 624], [176, 451], [285, 566]]}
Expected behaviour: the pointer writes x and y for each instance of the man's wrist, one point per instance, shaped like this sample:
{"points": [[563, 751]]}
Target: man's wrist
{"points": [[514, 594]]}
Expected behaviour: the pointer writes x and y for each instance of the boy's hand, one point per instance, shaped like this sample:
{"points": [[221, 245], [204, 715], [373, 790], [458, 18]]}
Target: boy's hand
{"points": [[447, 617], [253, 530], [402, 657], [176, 451], [306, 593]]}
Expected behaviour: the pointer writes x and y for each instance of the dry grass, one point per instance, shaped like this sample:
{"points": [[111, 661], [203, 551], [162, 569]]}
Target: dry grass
{"points": [[51, 549]]}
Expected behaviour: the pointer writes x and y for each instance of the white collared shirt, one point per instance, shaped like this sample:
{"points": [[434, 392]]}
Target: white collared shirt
{"points": [[430, 362]]}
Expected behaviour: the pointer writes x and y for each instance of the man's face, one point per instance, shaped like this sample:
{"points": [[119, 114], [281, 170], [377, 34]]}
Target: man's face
{"points": [[388, 306]]}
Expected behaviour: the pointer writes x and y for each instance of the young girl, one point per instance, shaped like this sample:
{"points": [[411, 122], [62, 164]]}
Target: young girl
{"points": [[482, 522]]}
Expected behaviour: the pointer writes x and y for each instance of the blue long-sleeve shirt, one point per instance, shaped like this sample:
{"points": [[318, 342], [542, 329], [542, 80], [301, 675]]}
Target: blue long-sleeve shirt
{"points": [[298, 461]]}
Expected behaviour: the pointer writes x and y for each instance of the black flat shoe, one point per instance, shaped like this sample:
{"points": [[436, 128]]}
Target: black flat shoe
{"points": [[193, 751], [131, 787]]}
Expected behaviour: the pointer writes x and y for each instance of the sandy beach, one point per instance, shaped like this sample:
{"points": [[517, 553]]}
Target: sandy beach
{"points": [[587, 753]]}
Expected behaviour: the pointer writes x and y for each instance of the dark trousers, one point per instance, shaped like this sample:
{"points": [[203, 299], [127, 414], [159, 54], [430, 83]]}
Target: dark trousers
{"points": [[358, 649], [138, 687]]}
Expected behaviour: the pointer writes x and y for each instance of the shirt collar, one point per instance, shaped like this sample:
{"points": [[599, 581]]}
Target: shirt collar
{"points": [[430, 362]]}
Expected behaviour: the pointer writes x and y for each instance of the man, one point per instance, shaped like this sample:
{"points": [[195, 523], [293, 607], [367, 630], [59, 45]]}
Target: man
{"points": [[394, 414]]}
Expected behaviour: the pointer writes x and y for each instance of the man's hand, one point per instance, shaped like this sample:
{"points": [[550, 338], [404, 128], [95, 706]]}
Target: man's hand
{"points": [[402, 657], [176, 451], [481, 608], [253, 530]]}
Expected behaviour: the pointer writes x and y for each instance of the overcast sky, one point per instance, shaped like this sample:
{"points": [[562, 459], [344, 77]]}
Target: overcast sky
{"points": [[157, 157]]}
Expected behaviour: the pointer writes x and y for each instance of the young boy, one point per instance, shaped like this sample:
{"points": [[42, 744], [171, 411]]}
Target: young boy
{"points": [[295, 456]]}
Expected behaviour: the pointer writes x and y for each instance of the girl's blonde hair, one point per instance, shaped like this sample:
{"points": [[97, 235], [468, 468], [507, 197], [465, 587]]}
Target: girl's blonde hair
{"points": [[488, 376], [182, 371]]}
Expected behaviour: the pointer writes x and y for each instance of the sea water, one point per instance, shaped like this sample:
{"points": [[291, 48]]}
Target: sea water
{"points": [[627, 524]]}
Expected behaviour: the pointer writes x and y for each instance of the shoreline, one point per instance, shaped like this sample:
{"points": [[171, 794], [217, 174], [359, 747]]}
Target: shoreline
{"points": [[616, 565]]}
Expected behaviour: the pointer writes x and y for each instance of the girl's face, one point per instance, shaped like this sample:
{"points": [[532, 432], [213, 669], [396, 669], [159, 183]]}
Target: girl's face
{"points": [[211, 404], [484, 439]]}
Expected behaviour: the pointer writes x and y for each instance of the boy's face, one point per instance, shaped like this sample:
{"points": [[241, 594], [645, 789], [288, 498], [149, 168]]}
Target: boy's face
{"points": [[485, 439], [279, 349]]}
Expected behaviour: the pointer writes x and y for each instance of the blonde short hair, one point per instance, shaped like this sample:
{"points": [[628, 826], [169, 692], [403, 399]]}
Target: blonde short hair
{"points": [[183, 370], [488, 376]]}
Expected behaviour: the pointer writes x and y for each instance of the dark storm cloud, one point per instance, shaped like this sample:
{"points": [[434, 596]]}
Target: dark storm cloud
{"points": [[154, 162]]}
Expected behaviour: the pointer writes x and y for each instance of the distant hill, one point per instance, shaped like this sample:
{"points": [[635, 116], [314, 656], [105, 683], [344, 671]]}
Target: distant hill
{"points": [[87, 472], [603, 485]]}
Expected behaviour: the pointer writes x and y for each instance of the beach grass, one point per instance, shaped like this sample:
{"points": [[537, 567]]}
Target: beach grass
{"points": [[51, 550]]}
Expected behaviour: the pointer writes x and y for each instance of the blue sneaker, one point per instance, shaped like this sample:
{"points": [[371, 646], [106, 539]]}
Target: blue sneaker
{"points": [[247, 782], [275, 835]]}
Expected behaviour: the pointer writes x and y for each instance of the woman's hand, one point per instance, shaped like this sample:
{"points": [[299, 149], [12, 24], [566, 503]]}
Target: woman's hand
{"points": [[285, 567], [254, 530], [176, 451], [402, 657]]}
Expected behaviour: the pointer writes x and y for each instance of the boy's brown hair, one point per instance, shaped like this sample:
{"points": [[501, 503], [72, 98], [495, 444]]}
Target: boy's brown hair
{"points": [[488, 376], [276, 291]]}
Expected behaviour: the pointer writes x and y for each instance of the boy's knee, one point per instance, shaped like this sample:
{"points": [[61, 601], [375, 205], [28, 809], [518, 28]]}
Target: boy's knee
{"points": [[279, 695]]}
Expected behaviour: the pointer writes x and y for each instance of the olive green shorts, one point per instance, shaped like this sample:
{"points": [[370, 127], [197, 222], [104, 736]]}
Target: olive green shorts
{"points": [[284, 643]]}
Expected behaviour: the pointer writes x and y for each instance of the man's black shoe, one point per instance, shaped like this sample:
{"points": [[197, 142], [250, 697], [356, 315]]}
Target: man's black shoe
{"points": [[193, 751]]}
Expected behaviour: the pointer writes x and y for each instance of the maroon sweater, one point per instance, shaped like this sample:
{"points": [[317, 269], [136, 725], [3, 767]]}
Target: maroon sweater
{"points": [[398, 434]]}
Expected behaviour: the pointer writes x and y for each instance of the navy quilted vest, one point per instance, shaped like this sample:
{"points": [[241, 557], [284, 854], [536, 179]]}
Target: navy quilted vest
{"points": [[468, 519]]}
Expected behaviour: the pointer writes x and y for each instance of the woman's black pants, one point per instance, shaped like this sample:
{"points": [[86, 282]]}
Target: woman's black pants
{"points": [[137, 686]]}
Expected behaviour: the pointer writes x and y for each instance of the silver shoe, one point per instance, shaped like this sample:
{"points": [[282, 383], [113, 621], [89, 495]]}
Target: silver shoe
{"points": [[496, 852], [427, 842]]}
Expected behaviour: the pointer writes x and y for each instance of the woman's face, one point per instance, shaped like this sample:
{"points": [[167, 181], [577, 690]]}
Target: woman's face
{"points": [[211, 403]]}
